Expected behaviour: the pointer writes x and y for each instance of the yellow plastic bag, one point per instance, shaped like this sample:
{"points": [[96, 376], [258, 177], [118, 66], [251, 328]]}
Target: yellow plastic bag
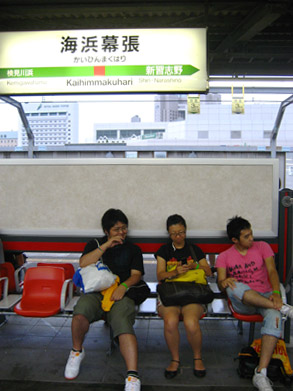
{"points": [[194, 275], [280, 352]]}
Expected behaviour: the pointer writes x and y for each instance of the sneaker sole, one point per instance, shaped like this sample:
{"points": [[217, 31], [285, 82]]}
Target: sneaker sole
{"points": [[70, 378]]}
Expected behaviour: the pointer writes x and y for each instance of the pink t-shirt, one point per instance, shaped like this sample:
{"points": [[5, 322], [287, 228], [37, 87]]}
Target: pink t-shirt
{"points": [[250, 268]]}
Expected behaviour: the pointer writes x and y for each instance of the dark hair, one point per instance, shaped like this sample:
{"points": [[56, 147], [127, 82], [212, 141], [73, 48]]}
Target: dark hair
{"points": [[111, 217], [175, 219], [235, 225]]}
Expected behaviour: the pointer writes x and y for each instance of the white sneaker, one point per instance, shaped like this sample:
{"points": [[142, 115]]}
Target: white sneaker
{"points": [[132, 384], [287, 310], [73, 364], [261, 381]]}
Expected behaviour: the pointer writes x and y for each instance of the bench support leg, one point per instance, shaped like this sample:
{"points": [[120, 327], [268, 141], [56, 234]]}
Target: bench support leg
{"points": [[3, 320], [251, 333], [239, 327]]}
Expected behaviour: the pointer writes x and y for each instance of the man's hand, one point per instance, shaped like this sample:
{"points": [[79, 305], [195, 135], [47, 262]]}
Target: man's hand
{"points": [[228, 282], [277, 301], [118, 293], [114, 241]]}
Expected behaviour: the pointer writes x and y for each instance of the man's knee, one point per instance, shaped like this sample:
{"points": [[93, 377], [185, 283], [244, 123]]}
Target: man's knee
{"points": [[234, 294], [80, 321], [272, 323]]}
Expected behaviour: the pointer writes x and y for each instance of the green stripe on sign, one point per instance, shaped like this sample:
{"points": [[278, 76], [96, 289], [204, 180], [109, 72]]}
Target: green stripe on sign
{"points": [[7, 73], [125, 70], [115, 70], [63, 71], [150, 70]]}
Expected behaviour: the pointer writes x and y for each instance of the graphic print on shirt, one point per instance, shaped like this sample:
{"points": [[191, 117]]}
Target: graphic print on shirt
{"points": [[246, 273], [173, 263]]}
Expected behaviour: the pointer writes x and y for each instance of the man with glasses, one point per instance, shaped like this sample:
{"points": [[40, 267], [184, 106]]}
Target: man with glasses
{"points": [[125, 260]]}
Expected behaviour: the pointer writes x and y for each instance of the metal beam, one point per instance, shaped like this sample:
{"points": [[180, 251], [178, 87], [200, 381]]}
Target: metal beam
{"points": [[256, 21], [30, 135], [277, 124]]}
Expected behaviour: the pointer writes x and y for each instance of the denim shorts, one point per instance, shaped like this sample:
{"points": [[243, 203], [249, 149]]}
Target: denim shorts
{"points": [[121, 316], [272, 323]]}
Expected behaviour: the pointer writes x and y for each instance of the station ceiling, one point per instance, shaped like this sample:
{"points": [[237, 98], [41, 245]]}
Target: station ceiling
{"points": [[244, 37]]}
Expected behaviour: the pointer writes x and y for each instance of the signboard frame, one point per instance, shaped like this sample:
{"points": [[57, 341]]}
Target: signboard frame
{"points": [[104, 61]]}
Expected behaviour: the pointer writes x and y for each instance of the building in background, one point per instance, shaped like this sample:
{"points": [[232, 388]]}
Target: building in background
{"points": [[53, 124], [169, 108], [216, 125], [8, 139], [127, 132]]}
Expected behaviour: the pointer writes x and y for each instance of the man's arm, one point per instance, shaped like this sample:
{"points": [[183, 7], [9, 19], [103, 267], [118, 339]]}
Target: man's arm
{"points": [[96, 254], [120, 291], [223, 281], [275, 282]]}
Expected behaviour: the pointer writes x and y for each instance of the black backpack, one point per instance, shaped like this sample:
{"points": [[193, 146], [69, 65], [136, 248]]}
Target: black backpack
{"points": [[248, 361]]}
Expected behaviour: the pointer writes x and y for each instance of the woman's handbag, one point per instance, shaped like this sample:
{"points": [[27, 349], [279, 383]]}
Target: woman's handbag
{"points": [[179, 293], [183, 293], [139, 292]]}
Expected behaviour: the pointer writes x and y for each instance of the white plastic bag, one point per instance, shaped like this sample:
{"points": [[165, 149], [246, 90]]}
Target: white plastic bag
{"points": [[94, 278]]}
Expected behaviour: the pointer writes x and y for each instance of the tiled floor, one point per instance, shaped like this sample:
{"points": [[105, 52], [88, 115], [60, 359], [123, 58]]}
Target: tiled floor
{"points": [[34, 352]]}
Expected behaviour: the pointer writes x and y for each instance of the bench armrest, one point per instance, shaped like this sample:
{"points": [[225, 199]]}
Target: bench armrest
{"points": [[5, 288], [66, 293], [19, 277]]}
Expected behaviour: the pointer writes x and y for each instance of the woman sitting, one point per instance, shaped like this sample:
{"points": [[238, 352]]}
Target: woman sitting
{"points": [[175, 259]]}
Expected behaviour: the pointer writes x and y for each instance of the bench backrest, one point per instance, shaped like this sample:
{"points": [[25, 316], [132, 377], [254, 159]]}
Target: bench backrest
{"points": [[147, 245]]}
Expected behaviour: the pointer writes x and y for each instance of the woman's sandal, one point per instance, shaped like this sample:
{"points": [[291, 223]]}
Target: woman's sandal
{"points": [[172, 374], [199, 372]]}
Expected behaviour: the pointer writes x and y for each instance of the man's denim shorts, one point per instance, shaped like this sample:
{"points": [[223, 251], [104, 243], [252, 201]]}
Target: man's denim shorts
{"points": [[272, 324]]}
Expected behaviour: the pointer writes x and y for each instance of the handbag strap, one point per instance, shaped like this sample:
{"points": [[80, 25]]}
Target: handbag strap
{"points": [[101, 257], [193, 253], [191, 250]]}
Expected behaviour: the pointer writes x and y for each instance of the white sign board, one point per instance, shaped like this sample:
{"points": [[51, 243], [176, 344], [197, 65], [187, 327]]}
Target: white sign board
{"points": [[103, 61]]}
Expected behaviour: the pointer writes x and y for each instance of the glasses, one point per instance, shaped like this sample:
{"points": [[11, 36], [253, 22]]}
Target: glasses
{"points": [[120, 229], [174, 234]]}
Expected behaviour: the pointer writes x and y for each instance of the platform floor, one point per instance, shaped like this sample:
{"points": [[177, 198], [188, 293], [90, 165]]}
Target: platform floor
{"points": [[34, 352]]}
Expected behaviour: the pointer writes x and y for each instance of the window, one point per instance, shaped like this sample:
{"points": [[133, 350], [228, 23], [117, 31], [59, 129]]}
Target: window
{"points": [[203, 134], [235, 134], [267, 134], [110, 134], [129, 133]]}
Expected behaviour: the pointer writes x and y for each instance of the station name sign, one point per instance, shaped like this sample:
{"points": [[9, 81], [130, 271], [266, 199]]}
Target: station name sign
{"points": [[103, 61]]}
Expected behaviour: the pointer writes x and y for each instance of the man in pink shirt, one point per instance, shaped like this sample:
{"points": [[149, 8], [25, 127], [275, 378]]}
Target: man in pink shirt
{"points": [[247, 272]]}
